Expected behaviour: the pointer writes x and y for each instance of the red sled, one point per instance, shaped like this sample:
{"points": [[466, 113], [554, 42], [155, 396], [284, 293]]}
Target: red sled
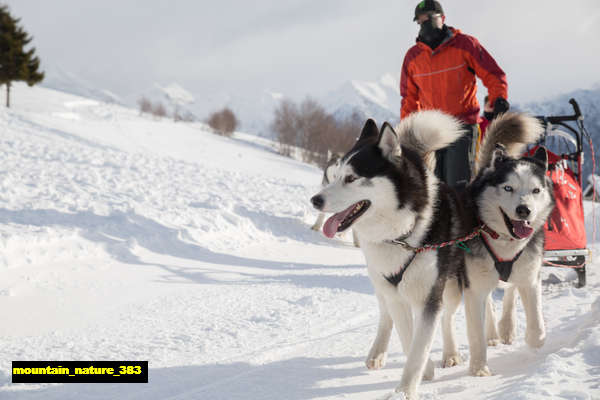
{"points": [[566, 241]]}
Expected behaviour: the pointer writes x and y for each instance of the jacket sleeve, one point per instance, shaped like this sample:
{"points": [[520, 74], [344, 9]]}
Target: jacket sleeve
{"points": [[486, 68], [408, 90]]}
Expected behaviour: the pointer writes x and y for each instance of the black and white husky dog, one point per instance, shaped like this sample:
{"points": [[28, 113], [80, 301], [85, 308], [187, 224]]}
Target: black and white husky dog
{"points": [[386, 190], [329, 175], [511, 197]]}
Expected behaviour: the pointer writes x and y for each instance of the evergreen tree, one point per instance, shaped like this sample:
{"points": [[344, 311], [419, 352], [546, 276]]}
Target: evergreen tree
{"points": [[16, 63]]}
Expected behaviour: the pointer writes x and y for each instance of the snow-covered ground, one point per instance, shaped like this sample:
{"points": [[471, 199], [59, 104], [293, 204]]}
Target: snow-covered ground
{"points": [[128, 238]]}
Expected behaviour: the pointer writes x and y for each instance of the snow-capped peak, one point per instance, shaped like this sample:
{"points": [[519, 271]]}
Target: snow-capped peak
{"points": [[390, 81], [177, 94]]}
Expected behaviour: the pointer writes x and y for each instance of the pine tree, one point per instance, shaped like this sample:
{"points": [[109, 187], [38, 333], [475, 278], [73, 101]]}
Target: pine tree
{"points": [[16, 63]]}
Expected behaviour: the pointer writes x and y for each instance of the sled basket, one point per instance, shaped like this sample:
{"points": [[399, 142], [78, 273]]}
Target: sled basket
{"points": [[566, 241]]}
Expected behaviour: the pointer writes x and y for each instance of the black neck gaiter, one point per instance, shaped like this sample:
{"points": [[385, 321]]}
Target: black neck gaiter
{"points": [[431, 35]]}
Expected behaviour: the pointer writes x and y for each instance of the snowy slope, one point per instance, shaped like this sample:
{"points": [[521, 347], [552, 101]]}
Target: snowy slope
{"points": [[125, 237]]}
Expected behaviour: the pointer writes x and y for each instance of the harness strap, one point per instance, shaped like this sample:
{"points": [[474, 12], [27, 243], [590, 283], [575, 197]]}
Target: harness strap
{"points": [[396, 278], [427, 247], [504, 267], [493, 234]]}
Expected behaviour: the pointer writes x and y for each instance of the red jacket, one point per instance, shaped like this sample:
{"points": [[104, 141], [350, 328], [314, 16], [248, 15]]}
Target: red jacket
{"points": [[444, 78]]}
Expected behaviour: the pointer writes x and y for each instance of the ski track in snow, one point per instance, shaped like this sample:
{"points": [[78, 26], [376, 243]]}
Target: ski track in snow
{"points": [[124, 237]]}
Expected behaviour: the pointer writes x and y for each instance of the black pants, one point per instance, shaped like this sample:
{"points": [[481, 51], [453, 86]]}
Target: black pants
{"points": [[454, 163]]}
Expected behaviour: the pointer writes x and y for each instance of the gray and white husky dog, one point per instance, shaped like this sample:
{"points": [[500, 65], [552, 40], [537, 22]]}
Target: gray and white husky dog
{"points": [[329, 175], [386, 190], [511, 197]]}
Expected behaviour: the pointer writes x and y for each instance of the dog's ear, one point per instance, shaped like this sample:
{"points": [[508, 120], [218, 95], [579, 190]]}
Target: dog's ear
{"points": [[499, 155], [542, 155], [388, 142], [369, 130]]}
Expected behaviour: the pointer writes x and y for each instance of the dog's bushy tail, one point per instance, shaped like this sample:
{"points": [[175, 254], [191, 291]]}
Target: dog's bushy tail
{"points": [[428, 131], [512, 130]]}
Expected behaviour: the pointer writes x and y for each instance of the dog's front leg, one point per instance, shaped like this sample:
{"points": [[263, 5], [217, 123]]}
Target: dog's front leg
{"points": [[378, 353], [403, 320], [531, 296], [452, 298], [507, 325], [418, 357], [475, 299], [493, 339], [402, 316]]}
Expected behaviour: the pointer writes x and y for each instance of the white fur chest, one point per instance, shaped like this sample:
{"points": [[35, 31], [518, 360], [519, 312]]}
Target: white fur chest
{"points": [[385, 260], [527, 267]]}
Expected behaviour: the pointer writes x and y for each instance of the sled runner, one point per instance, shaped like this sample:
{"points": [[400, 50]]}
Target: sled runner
{"points": [[566, 242]]}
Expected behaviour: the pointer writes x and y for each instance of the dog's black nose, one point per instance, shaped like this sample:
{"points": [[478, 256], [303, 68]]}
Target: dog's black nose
{"points": [[523, 212], [317, 202]]}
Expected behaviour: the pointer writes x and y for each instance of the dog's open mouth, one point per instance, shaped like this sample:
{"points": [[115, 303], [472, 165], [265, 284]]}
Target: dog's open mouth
{"points": [[341, 221], [519, 229]]}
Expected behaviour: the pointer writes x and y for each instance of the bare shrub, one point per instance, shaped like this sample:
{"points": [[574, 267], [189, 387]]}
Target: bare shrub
{"points": [[316, 126], [145, 105], [347, 132], [177, 115], [310, 128], [158, 110], [223, 122], [285, 126]]}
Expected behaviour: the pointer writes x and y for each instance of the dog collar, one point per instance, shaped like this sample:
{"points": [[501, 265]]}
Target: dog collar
{"points": [[493, 234]]}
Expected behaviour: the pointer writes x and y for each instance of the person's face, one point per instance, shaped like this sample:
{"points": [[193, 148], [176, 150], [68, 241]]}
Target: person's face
{"points": [[437, 19]]}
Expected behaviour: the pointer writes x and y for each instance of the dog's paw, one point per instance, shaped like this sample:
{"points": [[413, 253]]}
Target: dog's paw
{"points": [[376, 361], [493, 339], [507, 337], [316, 228], [429, 372], [401, 393], [535, 339], [480, 371], [451, 361], [507, 331]]}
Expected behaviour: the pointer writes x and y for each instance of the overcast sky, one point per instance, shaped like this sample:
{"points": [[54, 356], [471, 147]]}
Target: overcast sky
{"points": [[302, 47]]}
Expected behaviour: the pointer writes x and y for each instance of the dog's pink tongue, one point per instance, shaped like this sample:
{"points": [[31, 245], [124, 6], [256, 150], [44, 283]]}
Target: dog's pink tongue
{"points": [[333, 223], [522, 229]]}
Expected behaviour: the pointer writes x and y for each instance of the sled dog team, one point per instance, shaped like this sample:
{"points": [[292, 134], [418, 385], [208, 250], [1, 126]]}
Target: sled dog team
{"points": [[427, 245]]}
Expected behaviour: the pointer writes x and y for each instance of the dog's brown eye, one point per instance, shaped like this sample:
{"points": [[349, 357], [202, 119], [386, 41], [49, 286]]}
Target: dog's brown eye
{"points": [[536, 191], [508, 188], [349, 179]]}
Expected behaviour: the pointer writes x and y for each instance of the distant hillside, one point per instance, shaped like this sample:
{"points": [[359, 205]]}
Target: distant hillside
{"points": [[58, 79]]}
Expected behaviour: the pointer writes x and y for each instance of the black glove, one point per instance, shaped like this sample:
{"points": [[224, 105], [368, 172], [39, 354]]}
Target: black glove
{"points": [[500, 106]]}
